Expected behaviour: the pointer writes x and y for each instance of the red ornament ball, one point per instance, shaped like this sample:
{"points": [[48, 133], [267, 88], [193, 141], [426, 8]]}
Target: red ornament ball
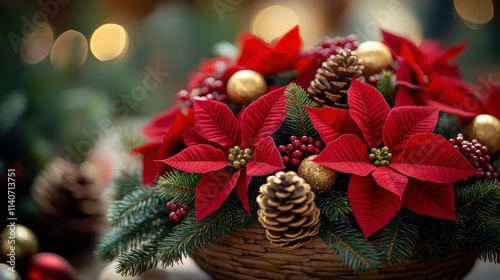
{"points": [[49, 266]]}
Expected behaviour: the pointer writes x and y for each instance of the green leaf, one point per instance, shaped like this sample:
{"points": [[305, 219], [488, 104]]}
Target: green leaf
{"points": [[297, 121], [350, 246], [179, 187]]}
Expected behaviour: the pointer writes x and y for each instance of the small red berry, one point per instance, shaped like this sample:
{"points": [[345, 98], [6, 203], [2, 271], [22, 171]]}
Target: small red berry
{"points": [[282, 149], [286, 160], [174, 217], [293, 138], [295, 162], [289, 148], [318, 144], [297, 154], [296, 144], [183, 211], [304, 139], [317, 151], [310, 148], [302, 148]]}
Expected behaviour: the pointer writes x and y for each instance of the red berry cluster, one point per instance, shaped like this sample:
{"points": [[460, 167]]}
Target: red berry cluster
{"points": [[177, 212], [329, 46], [298, 149], [477, 154], [209, 88]]}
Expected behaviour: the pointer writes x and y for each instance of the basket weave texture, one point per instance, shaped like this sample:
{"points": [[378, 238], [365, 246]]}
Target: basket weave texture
{"points": [[248, 255]]}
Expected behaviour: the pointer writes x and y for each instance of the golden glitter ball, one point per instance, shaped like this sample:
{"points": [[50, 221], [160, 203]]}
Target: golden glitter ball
{"points": [[320, 178], [485, 129], [245, 86], [22, 239], [375, 56]]}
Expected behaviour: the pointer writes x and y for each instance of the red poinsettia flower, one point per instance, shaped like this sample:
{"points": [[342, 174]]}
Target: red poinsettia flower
{"points": [[281, 55], [425, 79], [166, 134], [393, 156], [246, 147]]}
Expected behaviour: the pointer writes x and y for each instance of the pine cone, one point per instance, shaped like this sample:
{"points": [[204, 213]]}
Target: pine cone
{"points": [[71, 205], [333, 78], [287, 210]]}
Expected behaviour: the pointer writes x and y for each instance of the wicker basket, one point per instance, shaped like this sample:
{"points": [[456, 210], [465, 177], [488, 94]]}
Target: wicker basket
{"points": [[247, 255]]}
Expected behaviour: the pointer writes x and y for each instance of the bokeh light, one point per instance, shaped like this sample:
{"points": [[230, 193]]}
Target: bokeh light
{"points": [[474, 13], [37, 47], [109, 41], [273, 21], [69, 50]]}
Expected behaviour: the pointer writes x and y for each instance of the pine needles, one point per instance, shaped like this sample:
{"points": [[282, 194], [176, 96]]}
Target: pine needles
{"points": [[178, 187], [297, 121]]}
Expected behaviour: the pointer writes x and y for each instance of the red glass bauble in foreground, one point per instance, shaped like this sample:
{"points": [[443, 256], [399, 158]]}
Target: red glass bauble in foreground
{"points": [[48, 266]]}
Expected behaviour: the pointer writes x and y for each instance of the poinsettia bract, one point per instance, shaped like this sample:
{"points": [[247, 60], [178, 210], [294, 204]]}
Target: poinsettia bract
{"points": [[247, 134]]}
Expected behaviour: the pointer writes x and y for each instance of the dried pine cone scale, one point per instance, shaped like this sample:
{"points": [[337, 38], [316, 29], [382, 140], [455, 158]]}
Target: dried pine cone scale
{"points": [[287, 210], [332, 80]]}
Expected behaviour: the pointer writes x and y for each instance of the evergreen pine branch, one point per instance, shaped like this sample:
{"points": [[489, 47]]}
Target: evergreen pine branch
{"points": [[485, 249], [451, 234], [129, 137], [297, 121], [397, 240], [480, 198], [350, 246], [143, 258], [429, 246], [122, 239], [335, 206], [190, 236], [143, 203], [178, 187], [126, 182]]}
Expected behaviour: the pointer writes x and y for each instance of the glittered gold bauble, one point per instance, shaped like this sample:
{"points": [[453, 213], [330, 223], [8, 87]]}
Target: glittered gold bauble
{"points": [[245, 86], [485, 129], [8, 273], [21, 239], [375, 57], [320, 178], [49, 266]]}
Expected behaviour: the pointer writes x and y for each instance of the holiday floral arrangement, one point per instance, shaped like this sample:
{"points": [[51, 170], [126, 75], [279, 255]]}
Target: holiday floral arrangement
{"points": [[377, 149]]}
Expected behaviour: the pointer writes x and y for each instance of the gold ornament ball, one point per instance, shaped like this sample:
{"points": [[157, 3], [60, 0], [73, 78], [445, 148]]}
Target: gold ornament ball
{"points": [[245, 86], [320, 178], [375, 56], [26, 243], [485, 129]]}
